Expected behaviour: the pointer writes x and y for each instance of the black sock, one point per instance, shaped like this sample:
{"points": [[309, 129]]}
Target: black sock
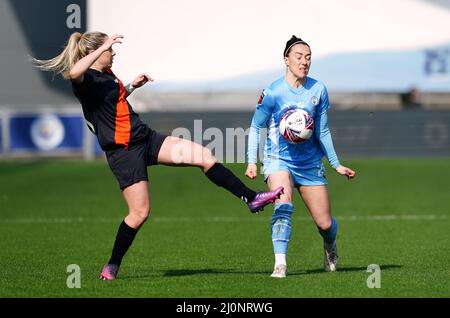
{"points": [[124, 238], [226, 179]]}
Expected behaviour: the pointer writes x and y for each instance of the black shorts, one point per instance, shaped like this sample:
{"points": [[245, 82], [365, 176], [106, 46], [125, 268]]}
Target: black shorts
{"points": [[130, 165]]}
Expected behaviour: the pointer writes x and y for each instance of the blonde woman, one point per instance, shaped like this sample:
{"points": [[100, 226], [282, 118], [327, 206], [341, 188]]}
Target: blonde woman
{"points": [[130, 145]]}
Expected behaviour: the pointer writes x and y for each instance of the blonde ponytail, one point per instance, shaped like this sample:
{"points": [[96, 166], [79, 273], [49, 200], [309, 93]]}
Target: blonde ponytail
{"points": [[78, 46]]}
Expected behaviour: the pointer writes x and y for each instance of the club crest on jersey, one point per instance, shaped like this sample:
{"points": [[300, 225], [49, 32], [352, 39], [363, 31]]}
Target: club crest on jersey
{"points": [[314, 100], [261, 98]]}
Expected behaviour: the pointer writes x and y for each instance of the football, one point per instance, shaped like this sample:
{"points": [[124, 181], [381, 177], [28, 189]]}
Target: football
{"points": [[296, 125]]}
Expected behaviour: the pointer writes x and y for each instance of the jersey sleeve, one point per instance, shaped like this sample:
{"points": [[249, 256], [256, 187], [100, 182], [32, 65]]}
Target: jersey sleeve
{"points": [[88, 78], [263, 112], [322, 130]]}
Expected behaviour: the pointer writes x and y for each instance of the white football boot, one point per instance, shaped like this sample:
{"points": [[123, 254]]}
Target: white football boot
{"points": [[279, 271], [330, 258]]}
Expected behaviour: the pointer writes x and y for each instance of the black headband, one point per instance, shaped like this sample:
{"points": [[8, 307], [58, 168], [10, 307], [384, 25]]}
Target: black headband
{"points": [[293, 41]]}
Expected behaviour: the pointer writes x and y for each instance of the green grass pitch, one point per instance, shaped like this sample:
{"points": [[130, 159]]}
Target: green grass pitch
{"points": [[200, 241]]}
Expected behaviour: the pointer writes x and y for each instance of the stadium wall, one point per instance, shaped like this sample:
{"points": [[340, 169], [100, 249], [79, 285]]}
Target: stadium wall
{"points": [[62, 133], [415, 133], [38, 29]]}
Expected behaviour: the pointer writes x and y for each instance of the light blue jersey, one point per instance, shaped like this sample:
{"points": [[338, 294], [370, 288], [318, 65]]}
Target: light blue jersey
{"points": [[312, 97]]}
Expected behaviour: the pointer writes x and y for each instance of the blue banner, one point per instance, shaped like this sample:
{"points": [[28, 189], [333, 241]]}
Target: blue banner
{"points": [[46, 132]]}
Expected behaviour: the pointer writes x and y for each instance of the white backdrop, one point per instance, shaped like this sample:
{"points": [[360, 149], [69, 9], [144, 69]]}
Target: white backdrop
{"points": [[176, 40]]}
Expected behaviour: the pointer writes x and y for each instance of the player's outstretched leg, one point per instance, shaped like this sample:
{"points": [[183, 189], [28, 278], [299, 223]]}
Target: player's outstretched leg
{"points": [[263, 198], [256, 202], [177, 151]]}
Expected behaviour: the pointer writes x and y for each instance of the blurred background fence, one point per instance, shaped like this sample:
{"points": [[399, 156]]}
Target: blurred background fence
{"points": [[356, 133], [393, 103]]}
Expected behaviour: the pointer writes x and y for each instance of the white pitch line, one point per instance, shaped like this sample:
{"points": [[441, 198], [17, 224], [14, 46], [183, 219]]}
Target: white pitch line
{"points": [[225, 219]]}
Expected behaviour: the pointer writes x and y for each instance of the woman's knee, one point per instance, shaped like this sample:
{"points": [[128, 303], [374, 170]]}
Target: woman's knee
{"points": [[324, 223], [208, 159], [140, 213], [281, 178]]}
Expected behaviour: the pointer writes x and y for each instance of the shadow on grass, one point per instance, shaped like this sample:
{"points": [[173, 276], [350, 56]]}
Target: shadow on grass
{"points": [[352, 269], [190, 272], [206, 271]]}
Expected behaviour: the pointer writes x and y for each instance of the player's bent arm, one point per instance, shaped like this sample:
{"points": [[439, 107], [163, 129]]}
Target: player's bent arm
{"points": [[253, 144], [259, 121], [260, 118], [140, 80], [76, 73], [323, 134], [327, 145]]}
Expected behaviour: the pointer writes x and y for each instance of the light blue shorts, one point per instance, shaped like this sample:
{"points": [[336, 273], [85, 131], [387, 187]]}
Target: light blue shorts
{"points": [[307, 177]]}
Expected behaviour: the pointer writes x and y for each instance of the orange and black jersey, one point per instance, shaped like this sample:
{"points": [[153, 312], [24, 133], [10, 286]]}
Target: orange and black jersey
{"points": [[107, 112]]}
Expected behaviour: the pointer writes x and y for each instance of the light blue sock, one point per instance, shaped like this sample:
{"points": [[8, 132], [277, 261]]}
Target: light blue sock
{"points": [[329, 236], [281, 227]]}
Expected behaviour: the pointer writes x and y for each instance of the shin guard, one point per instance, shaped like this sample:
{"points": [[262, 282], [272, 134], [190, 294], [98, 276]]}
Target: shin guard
{"points": [[281, 227]]}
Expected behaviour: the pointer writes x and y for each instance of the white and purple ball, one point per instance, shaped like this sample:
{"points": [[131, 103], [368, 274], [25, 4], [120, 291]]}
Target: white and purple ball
{"points": [[296, 125]]}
